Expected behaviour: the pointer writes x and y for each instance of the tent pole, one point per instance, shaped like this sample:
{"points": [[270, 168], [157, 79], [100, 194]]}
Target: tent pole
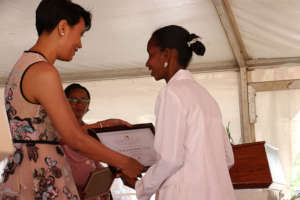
{"points": [[233, 35]]}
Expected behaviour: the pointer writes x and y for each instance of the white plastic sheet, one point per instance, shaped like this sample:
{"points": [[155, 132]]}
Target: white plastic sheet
{"points": [[269, 28]]}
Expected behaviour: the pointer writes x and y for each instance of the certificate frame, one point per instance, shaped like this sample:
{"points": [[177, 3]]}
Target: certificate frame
{"points": [[120, 128], [128, 141]]}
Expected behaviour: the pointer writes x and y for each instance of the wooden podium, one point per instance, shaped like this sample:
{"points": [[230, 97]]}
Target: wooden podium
{"points": [[257, 165]]}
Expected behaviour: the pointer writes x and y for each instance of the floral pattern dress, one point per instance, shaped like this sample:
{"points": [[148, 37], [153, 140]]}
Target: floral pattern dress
{"points": [[38, 168], [81, 167]]}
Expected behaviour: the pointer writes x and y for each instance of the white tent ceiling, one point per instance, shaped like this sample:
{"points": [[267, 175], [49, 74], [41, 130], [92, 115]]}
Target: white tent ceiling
{"points": [[116, 44], [238, 34]]}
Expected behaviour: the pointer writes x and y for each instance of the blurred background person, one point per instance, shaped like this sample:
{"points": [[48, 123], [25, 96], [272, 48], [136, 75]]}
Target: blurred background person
{"points": [[79, 98]]}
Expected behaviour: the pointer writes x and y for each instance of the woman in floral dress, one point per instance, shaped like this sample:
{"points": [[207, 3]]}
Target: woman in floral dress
{"points": [[40, 116]]}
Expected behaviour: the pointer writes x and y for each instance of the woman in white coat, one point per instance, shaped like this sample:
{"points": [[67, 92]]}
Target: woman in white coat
{"points": [[193, 151]]}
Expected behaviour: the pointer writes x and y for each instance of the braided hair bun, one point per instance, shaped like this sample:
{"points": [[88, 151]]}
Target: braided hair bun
{"points": [[195, 44]]}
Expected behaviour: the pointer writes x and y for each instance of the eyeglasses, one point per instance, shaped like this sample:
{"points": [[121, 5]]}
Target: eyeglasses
{"points": [[78, 100]]}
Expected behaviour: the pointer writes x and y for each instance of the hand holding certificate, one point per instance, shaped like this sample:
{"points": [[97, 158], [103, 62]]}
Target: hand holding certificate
{"points": [[136, 141], [130, 182]]}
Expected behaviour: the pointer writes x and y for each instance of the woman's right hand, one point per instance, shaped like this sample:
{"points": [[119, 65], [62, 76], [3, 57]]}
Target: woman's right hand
{"points": [[113, 122], [132, 168], [130, 182]]}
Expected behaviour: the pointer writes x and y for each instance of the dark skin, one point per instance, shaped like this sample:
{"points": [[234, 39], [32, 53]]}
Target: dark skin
{"points": [[156, 63], [158, 58]]}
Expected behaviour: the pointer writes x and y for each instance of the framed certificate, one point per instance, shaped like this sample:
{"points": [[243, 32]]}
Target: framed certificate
{"points": [[136, 141]]}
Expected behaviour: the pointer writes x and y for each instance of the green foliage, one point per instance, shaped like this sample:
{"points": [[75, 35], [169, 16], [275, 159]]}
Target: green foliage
{"points": [[295, 182], [295, 197], [229, 133], [297, 161], [296, 166]]}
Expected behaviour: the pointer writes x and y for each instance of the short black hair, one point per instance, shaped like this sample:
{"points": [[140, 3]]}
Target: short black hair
{"points": [[50, 12], [73, 86], [177, 37]]}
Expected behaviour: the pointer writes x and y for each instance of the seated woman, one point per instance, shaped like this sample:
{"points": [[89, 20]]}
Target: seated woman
{"points": [[82, 166]]}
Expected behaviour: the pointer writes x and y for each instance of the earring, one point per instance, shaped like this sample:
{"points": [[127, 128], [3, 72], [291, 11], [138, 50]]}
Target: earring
{"points": [[166, 64]]}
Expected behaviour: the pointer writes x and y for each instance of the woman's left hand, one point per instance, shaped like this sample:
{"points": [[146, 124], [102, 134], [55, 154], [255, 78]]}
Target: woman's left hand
{"points": [[113, 122], [107, 123], [130, 182]]}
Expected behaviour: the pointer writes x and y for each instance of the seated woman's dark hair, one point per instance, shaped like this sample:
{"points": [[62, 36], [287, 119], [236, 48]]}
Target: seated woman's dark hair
{"points": [[177, 37], [73, 86], [50, 12]]}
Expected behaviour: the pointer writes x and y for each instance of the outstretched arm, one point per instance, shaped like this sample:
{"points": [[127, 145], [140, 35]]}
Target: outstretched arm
{"points": [[42, 84], [107, 123]]}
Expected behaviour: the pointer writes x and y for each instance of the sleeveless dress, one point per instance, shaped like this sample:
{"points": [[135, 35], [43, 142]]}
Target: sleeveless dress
{"points": [[38, 169]]}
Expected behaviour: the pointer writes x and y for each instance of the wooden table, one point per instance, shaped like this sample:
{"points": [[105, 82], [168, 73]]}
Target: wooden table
{"points": [[257, 165]]}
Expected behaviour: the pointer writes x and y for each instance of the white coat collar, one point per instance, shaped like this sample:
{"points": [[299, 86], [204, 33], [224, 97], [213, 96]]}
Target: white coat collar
{"points": [[181, 74]]}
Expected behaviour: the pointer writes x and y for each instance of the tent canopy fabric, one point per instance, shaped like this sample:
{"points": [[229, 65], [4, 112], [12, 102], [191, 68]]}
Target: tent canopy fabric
{"points": [[116, 44], [239, 35]]}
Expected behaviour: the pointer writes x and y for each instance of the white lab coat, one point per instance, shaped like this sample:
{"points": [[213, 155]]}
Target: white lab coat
{"points": [[193, 151]]}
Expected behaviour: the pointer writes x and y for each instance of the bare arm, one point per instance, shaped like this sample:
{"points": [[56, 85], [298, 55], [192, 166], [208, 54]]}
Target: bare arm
{"points": [[107, 123], [42, 84]]}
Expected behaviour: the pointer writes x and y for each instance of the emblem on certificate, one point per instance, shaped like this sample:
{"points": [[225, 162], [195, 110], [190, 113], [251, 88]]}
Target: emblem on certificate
{"points": [[136, 141]]}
